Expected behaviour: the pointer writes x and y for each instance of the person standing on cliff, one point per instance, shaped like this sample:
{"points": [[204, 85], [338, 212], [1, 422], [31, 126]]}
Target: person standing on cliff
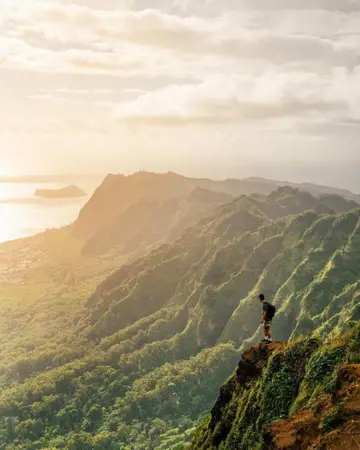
{"points": [[268, 313]]}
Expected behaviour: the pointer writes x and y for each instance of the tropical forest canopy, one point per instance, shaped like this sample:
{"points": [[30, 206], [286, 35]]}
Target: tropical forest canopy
{"points": [[118, 331]]}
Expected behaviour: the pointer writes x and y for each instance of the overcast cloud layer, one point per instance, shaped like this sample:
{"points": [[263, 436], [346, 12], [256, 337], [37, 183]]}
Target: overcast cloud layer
{"points": [[252, 86]]}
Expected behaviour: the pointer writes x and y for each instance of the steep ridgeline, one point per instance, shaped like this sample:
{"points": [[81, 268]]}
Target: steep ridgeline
{"points": [[301, 396], [150, 222], [118, 193], [210, 276], [142, 361], [268, 186]]}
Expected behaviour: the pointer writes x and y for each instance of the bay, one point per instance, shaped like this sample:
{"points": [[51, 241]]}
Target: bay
{"points": [[22, 214]]}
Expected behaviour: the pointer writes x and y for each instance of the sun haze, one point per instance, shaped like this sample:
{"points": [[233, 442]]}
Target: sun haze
{"points": [[222, 89]]}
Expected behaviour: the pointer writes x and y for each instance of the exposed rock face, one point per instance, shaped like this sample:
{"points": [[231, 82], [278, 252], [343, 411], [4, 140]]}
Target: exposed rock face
{"points": [[249, 369], [307, 429], [301, 396]]}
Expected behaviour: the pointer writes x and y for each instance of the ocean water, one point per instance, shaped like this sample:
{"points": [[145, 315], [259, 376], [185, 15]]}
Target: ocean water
{"points": [[22, 214]]}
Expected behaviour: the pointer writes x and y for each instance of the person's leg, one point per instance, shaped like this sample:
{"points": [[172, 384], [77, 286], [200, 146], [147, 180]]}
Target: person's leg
{"points": [[267, 331]]}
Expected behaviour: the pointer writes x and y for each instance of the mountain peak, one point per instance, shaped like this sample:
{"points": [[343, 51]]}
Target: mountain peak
{"points": [[284, 191], [205, 195]]}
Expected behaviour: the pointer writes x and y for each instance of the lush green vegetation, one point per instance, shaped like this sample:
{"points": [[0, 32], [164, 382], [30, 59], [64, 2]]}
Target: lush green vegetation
{"points": [[295, 378], [121, 351]]}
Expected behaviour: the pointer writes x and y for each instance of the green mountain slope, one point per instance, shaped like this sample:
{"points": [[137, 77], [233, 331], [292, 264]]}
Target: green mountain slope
{"points": [[305, 395], [150, 222], [118, 193], [45, 280], [135, 364]]}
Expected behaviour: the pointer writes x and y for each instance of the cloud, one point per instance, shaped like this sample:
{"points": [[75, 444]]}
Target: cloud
{"points": [[252, 65], [74, 23], [111, 5], [15, 53], [341, 128], [243, 98], [282, 49], [279, 5], [54, 127], [46, 97], [134, 91], [84, 92], [155, 43], [72, 97], [332, 5], [211, 6]]}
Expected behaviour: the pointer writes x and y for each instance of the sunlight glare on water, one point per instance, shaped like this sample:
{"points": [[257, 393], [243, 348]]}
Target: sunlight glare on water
{"points": [[22, 214], [12, 217]]}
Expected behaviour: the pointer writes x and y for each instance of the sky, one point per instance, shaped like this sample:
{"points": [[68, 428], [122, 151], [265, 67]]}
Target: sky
{"points": [[214, 88]]}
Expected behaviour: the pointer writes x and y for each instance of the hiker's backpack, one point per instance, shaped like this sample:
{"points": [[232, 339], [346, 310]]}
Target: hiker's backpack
{"points": [[270, 313]]}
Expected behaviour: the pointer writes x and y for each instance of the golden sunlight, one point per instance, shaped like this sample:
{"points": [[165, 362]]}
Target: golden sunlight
{"points": [[5, 169], [9, 224], [11, 213]]}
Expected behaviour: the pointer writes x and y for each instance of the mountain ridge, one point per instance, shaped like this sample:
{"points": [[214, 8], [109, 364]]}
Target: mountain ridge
{"points": [[298, 396], [108, 351], [110, 199], [165, 220]]}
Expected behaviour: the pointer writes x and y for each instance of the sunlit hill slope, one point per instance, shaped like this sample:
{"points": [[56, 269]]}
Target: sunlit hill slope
{"points": [[118, 331]]}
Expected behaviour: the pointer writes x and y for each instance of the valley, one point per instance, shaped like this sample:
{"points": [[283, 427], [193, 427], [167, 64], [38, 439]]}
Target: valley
{"points": [[118, 331]]}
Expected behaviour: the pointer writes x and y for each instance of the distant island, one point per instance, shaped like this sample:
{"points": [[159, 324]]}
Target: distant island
{"points": [[66, 192]]}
